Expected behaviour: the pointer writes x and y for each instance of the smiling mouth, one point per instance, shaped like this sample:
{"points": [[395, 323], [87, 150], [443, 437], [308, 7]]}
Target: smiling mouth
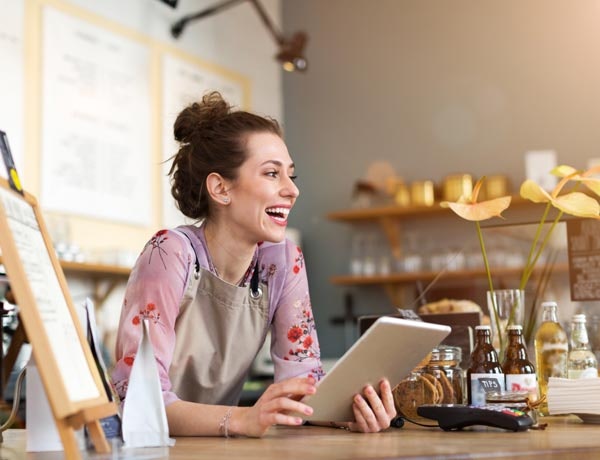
{"points": [[279, 214]]}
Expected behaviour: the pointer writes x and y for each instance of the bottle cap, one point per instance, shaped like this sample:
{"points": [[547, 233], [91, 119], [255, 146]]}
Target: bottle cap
{"points": [[549, 303], [514, 327], [483, 327], [580, 318]]}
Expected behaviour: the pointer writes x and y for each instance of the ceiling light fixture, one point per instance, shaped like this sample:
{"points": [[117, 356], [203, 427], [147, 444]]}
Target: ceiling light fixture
{"points": [[291, 51]]}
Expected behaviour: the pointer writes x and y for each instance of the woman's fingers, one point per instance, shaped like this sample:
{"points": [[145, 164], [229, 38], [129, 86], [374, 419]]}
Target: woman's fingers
{"points": [[373, 412], [282, 411], [279, 403], [370, 408], [292, 388], [387, 398]]}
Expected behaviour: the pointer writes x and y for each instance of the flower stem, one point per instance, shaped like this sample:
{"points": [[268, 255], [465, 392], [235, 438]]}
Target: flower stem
{"points": [[542, 246], [490, 283], [529, 264]]}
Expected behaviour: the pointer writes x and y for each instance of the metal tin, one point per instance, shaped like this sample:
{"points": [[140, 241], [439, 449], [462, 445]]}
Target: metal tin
{"points": [[422, 193], [495, 186], [457, 185]]}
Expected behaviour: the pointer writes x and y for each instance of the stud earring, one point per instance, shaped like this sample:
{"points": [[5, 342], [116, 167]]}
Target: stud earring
{"points": [[226, 200]]}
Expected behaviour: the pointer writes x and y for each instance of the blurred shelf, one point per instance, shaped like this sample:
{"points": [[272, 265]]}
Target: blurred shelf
{"points": [[398, 212], [391, 218], [105, 278], [413, 277], [95, 270]]}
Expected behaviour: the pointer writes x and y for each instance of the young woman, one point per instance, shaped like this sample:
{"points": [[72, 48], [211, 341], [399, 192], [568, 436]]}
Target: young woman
{"points": [[212, 291]]}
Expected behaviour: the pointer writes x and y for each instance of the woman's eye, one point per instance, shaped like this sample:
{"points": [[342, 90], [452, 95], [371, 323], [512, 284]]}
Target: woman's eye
{"points": [[294, 177], [272, 173]]}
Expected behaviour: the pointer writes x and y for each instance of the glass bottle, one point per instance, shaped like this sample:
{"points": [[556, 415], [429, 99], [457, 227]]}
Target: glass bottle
{"points": [[581, 362], [484, 361], [551, 349], [518, 370]]}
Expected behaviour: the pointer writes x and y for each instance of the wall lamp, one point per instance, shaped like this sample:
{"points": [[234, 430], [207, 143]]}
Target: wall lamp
{"points": [[291, 51]]}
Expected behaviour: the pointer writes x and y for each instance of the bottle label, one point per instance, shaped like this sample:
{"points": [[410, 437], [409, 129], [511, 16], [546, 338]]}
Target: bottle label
{"points": [[556, 346], [522, 382], [482, 384], [589, 373]]}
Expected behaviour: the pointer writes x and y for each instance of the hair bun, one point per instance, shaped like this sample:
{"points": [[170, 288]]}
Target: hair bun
{"points": [[200, 117]]}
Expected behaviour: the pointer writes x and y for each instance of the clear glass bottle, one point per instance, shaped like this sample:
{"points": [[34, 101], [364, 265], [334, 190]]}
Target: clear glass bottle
{"points": [[484, 361], [518, 370], [581, 362], [444, 365], [551, 349]]}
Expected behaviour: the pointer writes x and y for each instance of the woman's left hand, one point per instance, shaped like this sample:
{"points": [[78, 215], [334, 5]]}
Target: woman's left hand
{"points": [[373, 413]]}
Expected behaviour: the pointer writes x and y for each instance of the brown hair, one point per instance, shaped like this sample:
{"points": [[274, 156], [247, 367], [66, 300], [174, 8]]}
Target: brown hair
{"points": [[211, 139]]}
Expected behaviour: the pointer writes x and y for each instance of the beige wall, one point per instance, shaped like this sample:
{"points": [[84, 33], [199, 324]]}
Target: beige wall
{"points": [[234, 40], [433, 87]]}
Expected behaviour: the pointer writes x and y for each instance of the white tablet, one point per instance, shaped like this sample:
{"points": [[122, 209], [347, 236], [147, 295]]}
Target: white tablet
{"points": [[390, 348]]}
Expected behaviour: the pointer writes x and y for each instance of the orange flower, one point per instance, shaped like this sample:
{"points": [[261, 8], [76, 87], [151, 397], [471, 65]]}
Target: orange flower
{"points": [[468, 208], [574, 203]]}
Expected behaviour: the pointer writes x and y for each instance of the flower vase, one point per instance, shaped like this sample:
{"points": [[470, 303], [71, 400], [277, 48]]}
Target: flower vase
{"points": [[506, 307]]}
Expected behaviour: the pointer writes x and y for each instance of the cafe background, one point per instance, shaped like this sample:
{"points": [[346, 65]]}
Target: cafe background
{"points": [[406, 89]]}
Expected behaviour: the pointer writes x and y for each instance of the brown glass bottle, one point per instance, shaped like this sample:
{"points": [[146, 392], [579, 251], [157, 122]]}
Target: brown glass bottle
{"points": [[484, 361], [519, 372]]}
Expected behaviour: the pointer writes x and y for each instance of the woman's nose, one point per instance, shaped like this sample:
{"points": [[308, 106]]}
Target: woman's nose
{"points": [[290, 188]]}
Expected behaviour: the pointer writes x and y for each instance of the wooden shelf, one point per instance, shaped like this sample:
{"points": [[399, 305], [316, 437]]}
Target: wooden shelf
{"points": [[105, 277], [398, 212], [95, 270], [391, 219], [413, 277]]}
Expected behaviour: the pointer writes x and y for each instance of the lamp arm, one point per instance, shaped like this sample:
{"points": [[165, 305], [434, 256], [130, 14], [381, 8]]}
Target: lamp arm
{"points": [[268, 23], [177, 27]]}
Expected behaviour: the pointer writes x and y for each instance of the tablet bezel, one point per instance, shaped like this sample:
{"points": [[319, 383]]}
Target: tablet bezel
{"points": [[390, 348]]}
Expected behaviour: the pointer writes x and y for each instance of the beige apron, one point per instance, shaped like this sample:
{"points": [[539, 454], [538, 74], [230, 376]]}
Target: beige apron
{"points": [[219, 330]]}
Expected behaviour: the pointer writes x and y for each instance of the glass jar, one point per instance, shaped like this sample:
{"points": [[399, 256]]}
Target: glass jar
{"points": [[514, 400], [444, 365]]}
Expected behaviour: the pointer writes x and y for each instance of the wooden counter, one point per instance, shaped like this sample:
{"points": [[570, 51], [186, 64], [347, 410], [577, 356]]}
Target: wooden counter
{"points": [[564, 438]]}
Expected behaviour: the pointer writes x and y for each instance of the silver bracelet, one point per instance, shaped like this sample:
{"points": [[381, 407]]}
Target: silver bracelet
{"points": [[224, 423]]}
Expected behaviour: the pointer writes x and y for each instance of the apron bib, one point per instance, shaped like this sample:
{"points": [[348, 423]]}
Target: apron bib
{"points": [[220, 329]]}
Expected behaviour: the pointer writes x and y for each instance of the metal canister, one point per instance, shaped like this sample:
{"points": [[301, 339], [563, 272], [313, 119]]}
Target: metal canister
{"points": [[422, 193], [495, 186], [457, 185]]}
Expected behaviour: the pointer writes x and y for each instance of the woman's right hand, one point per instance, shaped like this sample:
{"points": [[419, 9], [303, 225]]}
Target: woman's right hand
{"points": [[274, 407]]}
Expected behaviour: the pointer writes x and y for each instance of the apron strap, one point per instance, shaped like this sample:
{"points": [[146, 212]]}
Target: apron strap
{"points": [[255, 290], [196, 263]]}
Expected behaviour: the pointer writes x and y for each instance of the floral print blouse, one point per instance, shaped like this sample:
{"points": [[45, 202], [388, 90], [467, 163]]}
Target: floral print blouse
{"points": [[156, 287]]}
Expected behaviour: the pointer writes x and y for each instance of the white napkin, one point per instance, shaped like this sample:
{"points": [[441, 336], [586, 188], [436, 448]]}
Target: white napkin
{"points": [[144, 416]]}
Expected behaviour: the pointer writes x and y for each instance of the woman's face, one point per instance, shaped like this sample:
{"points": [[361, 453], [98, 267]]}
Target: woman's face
{"points": [[264, 192]]}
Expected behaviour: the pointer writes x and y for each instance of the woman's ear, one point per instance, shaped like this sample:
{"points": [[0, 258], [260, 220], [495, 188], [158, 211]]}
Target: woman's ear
{"points": [[217, 188]]}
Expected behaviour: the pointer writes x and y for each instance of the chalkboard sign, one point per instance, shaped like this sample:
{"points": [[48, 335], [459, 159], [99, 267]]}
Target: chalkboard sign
{"points": [[66, 365]]}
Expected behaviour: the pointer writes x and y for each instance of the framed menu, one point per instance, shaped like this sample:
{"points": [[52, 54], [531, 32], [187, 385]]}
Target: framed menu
{"points": [[66, 365]]}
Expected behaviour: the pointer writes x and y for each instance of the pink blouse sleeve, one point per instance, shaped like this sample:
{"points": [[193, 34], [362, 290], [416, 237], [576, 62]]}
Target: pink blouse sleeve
{"points": [[294, 344], [154, 291]]}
